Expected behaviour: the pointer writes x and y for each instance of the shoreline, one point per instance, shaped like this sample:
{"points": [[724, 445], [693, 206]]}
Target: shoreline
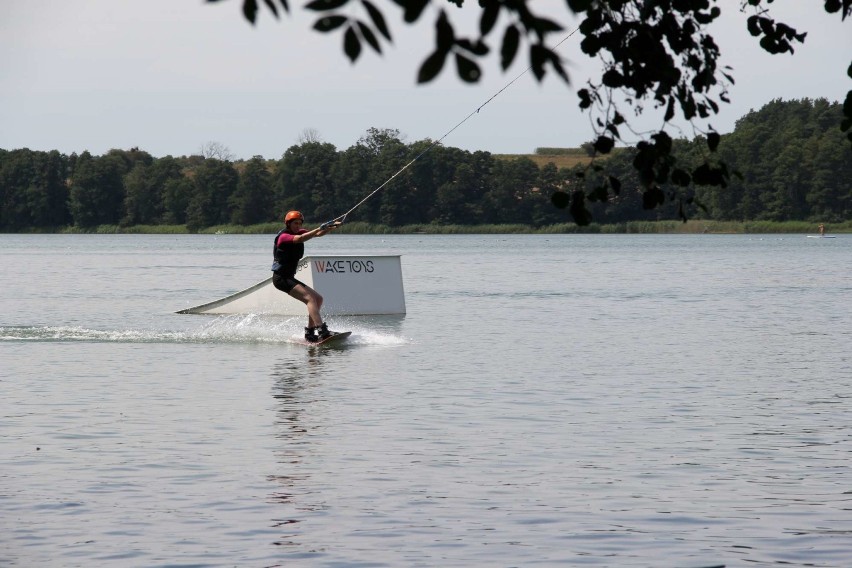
{"points": [[361, 228]]}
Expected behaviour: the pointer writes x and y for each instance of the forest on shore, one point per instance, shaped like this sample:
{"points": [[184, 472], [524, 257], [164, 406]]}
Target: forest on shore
{"points": [[791, 164]]}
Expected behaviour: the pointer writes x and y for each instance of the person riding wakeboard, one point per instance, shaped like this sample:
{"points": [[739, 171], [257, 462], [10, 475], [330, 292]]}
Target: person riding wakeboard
{"points": [[288, 251]]}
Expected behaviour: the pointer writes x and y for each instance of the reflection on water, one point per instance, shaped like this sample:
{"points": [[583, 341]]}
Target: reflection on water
{"points": [[292, 393]]}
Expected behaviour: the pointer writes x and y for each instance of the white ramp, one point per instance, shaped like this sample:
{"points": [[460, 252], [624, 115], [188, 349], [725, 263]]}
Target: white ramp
{"points": [[349, 285]]}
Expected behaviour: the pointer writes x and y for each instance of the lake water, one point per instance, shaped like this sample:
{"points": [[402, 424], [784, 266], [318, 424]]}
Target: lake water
{"points": [[624, 400]]}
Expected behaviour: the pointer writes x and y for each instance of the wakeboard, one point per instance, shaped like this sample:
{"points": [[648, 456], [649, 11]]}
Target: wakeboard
{"points": [[820, 236], [334, 338]]}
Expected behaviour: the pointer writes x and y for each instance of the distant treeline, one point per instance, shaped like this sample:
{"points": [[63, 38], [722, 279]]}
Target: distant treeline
{"points": [[791, 162]]}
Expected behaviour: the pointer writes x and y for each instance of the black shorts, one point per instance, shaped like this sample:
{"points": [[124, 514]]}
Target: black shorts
{"points": [[285, 283]]}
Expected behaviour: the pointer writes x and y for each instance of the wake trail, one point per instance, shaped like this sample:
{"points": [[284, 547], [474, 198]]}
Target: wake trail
{"points": [[240, 329]]}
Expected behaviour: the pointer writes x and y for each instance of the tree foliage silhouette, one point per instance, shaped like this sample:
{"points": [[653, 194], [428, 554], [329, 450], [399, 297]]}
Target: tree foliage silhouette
{"points": [[654, 52]]}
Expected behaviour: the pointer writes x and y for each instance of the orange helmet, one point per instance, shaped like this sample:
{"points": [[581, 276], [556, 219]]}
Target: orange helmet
{"points": [[291, 216]]}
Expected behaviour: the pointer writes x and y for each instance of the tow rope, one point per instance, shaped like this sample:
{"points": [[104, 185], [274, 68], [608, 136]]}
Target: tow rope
{"points": [[342, 218]]}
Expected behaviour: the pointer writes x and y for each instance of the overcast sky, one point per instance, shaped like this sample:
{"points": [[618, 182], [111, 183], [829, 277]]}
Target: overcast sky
{"points": [[168, 76]]}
